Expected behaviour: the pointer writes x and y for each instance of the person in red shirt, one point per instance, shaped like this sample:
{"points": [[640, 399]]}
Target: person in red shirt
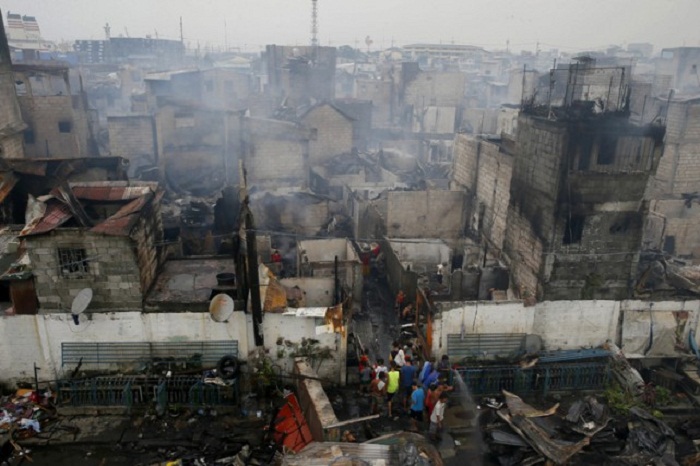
{"points": [[276, 259]]}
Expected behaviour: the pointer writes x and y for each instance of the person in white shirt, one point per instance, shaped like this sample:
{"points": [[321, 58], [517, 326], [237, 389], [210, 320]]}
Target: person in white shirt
{"points": [[400, 358], [437, 417], [380, 368]]}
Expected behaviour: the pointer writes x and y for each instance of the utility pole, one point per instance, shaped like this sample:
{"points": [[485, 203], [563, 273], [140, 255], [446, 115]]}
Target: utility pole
{"points": [[252, 261], [314, 23]]}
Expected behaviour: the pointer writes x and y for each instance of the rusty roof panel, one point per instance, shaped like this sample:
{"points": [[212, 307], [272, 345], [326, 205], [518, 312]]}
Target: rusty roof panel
{"points": [[122, 222], [56, 215], [109, 193], [7, 182]]}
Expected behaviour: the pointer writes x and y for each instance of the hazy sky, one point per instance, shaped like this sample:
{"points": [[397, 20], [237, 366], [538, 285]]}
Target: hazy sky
{"points": [[569, 25]]}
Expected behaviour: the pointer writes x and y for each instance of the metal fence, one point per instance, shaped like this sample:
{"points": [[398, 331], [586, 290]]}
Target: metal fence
{"points": [[137, 390], [490, 380]]}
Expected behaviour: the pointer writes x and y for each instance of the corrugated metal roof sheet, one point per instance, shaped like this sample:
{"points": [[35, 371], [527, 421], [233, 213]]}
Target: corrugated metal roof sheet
{"points": [[7, 182], [121, 223], [324, 453], [56, 215], [109, 193]]}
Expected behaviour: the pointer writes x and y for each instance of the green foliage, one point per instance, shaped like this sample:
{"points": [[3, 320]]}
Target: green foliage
{"points": [[619, 400], [663, 396]]}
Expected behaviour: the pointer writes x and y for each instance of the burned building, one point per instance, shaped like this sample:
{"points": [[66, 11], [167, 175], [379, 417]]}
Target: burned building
{"points": [[11, 124], [275, 153], [679, 68], [103, 235], [673, 224], [59, 123], [301, 75], [331, 132], [483, 167], [577, 202]]}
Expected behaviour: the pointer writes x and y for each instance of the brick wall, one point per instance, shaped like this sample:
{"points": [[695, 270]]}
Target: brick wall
{"points": [[425, 214]]}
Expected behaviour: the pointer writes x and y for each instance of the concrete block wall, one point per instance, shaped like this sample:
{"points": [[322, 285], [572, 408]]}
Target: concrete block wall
{"points": [[113, 275], [314, 402], [425, 214], [147, 233], [524, 248], [11, 146], [132, 137], [42, 114], [333, 134], [10, 115], [440, 88], [678, 173]]}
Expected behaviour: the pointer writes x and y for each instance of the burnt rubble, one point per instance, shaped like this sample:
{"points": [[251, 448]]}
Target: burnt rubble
{"points": [[585, 433]]}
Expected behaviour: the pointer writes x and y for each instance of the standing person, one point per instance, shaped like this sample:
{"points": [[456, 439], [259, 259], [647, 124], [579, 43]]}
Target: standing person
{"points": [[444, 366], [429, 399], [408, 375], [398, 304], [365, 372], [408, 312], [437, 417], [435, 396], [427, 367], [417, 404], [400, 356], [432, 377], [379, 368], [440, 272], [377, 389], [392, 386], [276, 259]]}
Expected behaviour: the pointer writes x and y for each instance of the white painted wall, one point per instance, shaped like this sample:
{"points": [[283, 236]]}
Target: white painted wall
{"points": [[29, 339], [293, 329], [576, 324]]}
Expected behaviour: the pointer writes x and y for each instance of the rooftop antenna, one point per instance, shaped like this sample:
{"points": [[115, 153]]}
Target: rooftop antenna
{"points": [[221, 307], [107, 29], [314, 23], [80, 303], [182, 41]]}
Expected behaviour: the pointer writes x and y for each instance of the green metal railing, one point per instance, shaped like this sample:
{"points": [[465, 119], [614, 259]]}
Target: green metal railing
{"points": [[490, 380]]}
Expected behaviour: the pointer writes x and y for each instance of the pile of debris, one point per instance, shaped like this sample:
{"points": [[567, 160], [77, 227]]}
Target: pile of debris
{"points": [[518, 433], [25, 413]]}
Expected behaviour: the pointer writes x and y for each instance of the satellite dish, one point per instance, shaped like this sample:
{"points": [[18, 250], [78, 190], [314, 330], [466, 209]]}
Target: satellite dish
{"points": [[80, 303], [221, 307]]}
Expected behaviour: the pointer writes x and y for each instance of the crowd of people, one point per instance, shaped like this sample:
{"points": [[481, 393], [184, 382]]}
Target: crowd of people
{"points": [[407, 387]]}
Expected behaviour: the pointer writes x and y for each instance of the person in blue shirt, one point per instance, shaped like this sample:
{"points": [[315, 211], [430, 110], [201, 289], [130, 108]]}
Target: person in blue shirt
{"points": [[431, 378], [417, 404], [426, 369], [408, 374]]}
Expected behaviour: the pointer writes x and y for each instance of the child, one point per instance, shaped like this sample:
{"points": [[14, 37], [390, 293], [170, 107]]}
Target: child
{"points": [[437, 417]]}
